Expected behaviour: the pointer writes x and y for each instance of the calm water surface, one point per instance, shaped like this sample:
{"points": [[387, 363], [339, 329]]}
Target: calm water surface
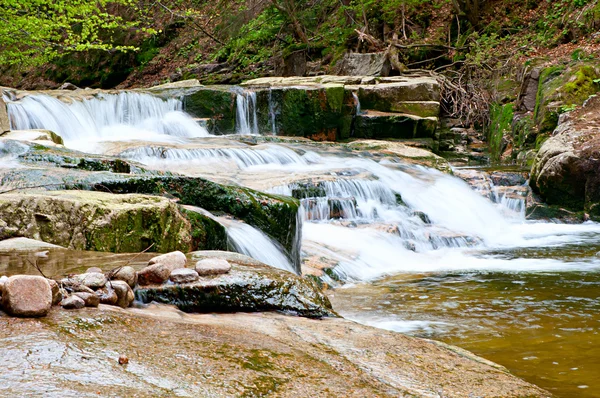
{"points": [[544, 326]]}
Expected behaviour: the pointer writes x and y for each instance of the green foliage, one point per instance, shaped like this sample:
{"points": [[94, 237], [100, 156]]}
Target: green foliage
{"points": [[253, 43], [36, 31]]}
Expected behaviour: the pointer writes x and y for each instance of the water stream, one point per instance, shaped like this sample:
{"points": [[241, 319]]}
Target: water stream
{"points": [[412, 249]]}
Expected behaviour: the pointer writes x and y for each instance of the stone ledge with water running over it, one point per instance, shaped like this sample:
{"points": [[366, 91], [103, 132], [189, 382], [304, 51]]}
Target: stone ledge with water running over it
{"points": [[250, 286], [61, 168]]}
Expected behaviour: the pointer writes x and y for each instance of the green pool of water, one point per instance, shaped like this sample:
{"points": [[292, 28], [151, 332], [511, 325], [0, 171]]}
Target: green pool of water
{"points": [[544, 327]]}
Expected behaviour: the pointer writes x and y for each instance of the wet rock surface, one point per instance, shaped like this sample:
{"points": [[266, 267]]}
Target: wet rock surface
{"points": [[241, 354], [249, 286], [73, 302]]}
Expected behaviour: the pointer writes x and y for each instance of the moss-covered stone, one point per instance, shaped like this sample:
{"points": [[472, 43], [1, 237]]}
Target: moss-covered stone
{"points": [[388, 97], [501, 117], [215, 103], [393, 125], [417, 108], [562, 87], [275, 215], [100, 221]]}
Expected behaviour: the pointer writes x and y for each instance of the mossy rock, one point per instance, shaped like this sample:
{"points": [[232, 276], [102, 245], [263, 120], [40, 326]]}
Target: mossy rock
{"points": [[215, 103], [563, 87], [393, 125], [501, 117], [417, 108], [316, 112], [275, 215], [388, 97], [100, 221]]}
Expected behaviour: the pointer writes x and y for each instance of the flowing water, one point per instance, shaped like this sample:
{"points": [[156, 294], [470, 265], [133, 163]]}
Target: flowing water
{"points": [[412, 249]]}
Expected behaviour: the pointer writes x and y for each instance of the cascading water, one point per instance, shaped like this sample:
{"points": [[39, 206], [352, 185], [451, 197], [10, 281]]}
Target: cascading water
{"points": [[272, 112], [357, 103], [243, 157], [252, 242], [105, 117], [246, 117]]}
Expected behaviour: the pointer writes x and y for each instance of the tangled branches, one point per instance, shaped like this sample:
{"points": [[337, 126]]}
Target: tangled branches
{"points": [[466, 99]]}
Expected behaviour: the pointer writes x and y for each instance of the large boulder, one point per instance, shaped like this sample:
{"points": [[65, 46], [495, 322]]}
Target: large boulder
{"points": [[96, 221], [27, 296], [364, 64], [250, 286], [565, 170]]}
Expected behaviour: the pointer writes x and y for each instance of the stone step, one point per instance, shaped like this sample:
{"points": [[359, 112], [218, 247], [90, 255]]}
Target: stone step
{"points": [[377, 124]]}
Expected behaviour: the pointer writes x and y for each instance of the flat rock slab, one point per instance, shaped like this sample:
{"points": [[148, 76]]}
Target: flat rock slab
{"points": [[25, 244], [232, 355], [249, 286]]}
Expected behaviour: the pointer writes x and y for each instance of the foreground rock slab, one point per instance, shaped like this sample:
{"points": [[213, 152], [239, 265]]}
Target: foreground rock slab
{"points": [[249, 286], [240, 355]]}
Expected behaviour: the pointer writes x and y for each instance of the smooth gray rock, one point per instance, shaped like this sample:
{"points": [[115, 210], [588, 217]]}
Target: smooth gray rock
{"points": [[124, 293], [93, 280], [107, 295], [184, 275], [154, 274], [212, 266], [57, 295], [126, 274], [173, 260]]}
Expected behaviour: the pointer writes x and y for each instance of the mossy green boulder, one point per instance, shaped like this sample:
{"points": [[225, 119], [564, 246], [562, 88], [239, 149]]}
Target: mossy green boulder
{"points": [[100, 221]]}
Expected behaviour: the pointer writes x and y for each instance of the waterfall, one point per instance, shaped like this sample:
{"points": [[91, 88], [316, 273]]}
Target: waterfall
{"points": [[357, 103], [246, 116], [243, 157], [252, 242], [105, 117], [272, 112]]}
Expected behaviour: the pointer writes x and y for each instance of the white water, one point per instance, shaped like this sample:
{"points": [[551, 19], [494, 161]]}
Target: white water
{"points": [[356, 219], [252, 242], [125, 116], [243, 157], [246, 117]]}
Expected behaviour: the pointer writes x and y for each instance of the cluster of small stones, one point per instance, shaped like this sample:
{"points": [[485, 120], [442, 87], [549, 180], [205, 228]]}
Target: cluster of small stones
{"points": [[171, 267], [34, 296]]}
